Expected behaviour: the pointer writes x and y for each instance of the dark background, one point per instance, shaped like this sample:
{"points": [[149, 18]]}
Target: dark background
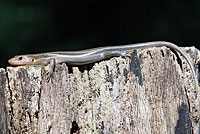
{"points": [[28, 26]]}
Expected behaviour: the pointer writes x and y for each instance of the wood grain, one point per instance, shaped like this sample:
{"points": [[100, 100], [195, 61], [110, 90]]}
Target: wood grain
{"points": [[150, 92]]}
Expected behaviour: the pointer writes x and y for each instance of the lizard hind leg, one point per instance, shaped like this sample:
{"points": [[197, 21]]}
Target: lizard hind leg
{"points": [[126, 54]]}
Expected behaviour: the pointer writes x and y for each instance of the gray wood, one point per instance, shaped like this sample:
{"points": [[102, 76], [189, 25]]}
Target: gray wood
{"points": [[150, 92], [3, 110]]}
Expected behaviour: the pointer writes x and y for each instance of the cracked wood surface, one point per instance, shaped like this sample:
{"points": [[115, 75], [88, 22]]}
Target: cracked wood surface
{"points": [[150, 92]]}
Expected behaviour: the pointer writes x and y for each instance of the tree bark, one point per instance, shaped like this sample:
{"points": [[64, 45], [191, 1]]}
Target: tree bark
{"points": [[150, 92]]}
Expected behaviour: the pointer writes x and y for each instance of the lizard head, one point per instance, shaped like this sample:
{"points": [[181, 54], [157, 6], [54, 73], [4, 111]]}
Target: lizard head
{"points": [[21, 60]]}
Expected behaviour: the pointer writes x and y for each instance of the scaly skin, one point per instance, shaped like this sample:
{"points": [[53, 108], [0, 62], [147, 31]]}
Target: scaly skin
{"points": [[92, 55]]}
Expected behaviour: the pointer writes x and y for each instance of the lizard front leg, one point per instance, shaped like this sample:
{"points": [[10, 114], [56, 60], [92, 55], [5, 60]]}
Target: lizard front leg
{"points": [[51, 68]]}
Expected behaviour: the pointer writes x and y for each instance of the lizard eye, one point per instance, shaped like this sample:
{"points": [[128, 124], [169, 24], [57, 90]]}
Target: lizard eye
{"points": [[20, 58]]}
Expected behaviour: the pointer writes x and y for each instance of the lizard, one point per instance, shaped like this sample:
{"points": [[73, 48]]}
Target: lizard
{"points": [[92, 55]]}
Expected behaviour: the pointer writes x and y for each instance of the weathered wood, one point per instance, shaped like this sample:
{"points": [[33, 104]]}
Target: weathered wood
{"points": [[3, 110], [150, 92]]}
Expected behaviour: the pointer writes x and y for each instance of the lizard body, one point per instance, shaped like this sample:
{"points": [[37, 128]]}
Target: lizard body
{"points": [[92, 55]]}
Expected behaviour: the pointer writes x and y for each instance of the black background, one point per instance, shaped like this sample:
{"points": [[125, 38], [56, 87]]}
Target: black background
{"points": [[28, 26]]}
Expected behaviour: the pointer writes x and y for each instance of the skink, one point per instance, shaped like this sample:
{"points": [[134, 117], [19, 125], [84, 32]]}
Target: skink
{"points": [[92, 55]]}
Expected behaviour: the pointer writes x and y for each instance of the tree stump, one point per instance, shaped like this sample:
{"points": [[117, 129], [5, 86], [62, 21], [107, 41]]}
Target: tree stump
{"points": [[150, 92]]}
